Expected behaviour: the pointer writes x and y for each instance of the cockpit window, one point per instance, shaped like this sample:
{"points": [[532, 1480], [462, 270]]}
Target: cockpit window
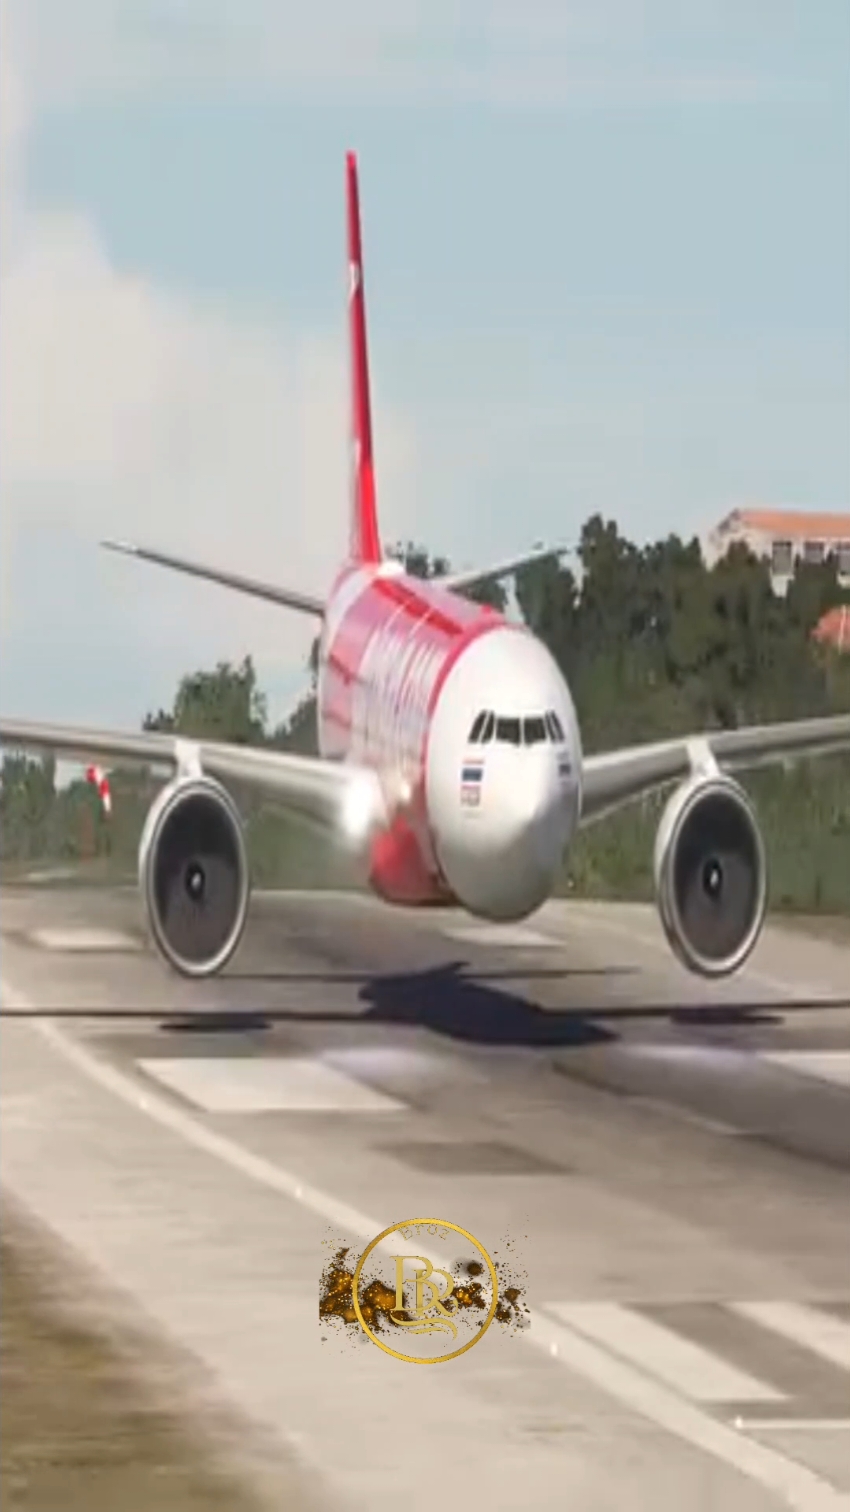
{"points": [[508, 730], [533, 730]]}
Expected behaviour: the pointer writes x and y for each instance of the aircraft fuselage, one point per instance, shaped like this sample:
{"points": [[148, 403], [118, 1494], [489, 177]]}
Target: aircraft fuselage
{"points": [[471, 728]]}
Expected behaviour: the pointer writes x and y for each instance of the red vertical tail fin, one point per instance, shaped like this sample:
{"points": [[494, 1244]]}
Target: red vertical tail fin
{"points": [[364, 545]]}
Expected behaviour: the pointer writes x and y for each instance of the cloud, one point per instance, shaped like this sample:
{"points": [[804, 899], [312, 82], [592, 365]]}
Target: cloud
{"points": [[127, 410], [551, 53]]}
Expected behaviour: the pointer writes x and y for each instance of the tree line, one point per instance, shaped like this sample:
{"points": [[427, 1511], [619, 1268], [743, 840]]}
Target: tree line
{"points": [[652, 641]]}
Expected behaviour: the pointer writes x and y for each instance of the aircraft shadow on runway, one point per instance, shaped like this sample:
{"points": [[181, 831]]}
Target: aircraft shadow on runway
{"points": [[480, 1007], [452, 1000], [446, 1000]]}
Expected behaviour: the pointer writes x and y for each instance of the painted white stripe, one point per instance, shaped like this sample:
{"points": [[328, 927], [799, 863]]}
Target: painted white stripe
{"points": [[687, 1367], [168, 1116], [685, 1115], [590, 914], [51, 874], [817, 1331], [792, 1425], [266, 1084], [796, 1485], [318, 895], [827, 1065], [82, 939], [506, 935]]}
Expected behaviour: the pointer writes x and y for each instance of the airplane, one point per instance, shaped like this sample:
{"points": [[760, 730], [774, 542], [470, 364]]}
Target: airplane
{"points": [[451, 760]]}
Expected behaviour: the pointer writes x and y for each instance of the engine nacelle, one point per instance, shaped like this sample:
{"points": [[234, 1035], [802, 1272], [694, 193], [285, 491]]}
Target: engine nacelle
{"points": [[193, 875], [710, 875]]}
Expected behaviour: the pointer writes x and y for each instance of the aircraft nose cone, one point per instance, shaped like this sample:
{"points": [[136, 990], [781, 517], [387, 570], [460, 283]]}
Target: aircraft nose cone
{"points": [[504, 862], [544, 823]]}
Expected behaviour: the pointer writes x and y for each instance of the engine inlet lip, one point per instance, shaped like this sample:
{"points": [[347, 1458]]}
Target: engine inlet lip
{"points": [[211, 792], [706, 966]]}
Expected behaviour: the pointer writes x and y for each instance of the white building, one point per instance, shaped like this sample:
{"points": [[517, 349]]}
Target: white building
{"points": [[783, 536]]}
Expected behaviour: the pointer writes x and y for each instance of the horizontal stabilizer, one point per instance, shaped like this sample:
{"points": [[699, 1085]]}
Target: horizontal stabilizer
{"points": [[472, 576], [290, 598]]}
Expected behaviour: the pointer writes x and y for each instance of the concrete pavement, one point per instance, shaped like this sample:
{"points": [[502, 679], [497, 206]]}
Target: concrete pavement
{"points": [[671, 1157]]}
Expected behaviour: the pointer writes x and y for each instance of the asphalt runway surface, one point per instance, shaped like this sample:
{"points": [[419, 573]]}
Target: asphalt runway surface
{"points": [[670, 1158]]}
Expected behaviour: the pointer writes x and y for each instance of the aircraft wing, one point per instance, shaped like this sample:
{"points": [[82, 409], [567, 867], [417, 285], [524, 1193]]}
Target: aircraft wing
{"points": [[470, 577], [291, 598], [617, 777], [339, 796]]}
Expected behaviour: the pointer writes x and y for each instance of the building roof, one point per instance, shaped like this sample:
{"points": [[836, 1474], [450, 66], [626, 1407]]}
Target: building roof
{"points": [[791, 524], [834, 627]]}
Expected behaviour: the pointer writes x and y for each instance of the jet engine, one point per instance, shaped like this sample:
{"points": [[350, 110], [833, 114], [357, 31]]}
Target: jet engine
{"points": [[710, 875], [193, 875]]}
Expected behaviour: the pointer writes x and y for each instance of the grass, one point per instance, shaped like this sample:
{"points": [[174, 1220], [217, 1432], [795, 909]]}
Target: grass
{"points": [[79, 1429]]}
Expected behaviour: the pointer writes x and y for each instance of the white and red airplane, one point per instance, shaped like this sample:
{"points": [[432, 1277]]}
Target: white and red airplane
{"points": [[451, 757]]}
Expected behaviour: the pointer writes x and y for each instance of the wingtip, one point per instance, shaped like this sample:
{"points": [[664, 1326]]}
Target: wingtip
{"points": [[125, 547]]}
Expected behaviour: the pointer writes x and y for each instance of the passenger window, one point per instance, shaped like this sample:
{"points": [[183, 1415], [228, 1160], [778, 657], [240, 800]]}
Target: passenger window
{"points": [[487, 732], [475, 733], [508, 730], [533, 731]]}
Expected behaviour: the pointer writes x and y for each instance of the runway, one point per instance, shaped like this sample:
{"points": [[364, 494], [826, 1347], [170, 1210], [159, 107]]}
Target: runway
{"points": [[670, 1157]]}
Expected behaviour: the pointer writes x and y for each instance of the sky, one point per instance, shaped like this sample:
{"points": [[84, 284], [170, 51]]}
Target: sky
{"points": [[607, 268]]}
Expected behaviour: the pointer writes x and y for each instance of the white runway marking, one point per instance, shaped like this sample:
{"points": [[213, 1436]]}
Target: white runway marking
{"points": [[509, 936], [794, 1484], [266, 1084], [51, 874], [687, 1116], [318, 895], [652, 937], [812, 1329], [376, 1063], [691, 1370], [82, 939], [792, 1425], [827, 1065]]}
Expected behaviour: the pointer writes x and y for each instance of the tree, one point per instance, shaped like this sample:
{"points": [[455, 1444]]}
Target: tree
{"points": [[222, 705], [419, 563], [299, 732], [26, 804], [813, 590]]}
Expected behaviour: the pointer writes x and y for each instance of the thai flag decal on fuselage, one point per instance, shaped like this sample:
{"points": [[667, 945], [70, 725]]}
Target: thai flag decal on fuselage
{"points": [[471, 776]]}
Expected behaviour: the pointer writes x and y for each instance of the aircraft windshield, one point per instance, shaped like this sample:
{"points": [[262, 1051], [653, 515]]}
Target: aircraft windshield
{"points": [[509, 729], [533, 731]]}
